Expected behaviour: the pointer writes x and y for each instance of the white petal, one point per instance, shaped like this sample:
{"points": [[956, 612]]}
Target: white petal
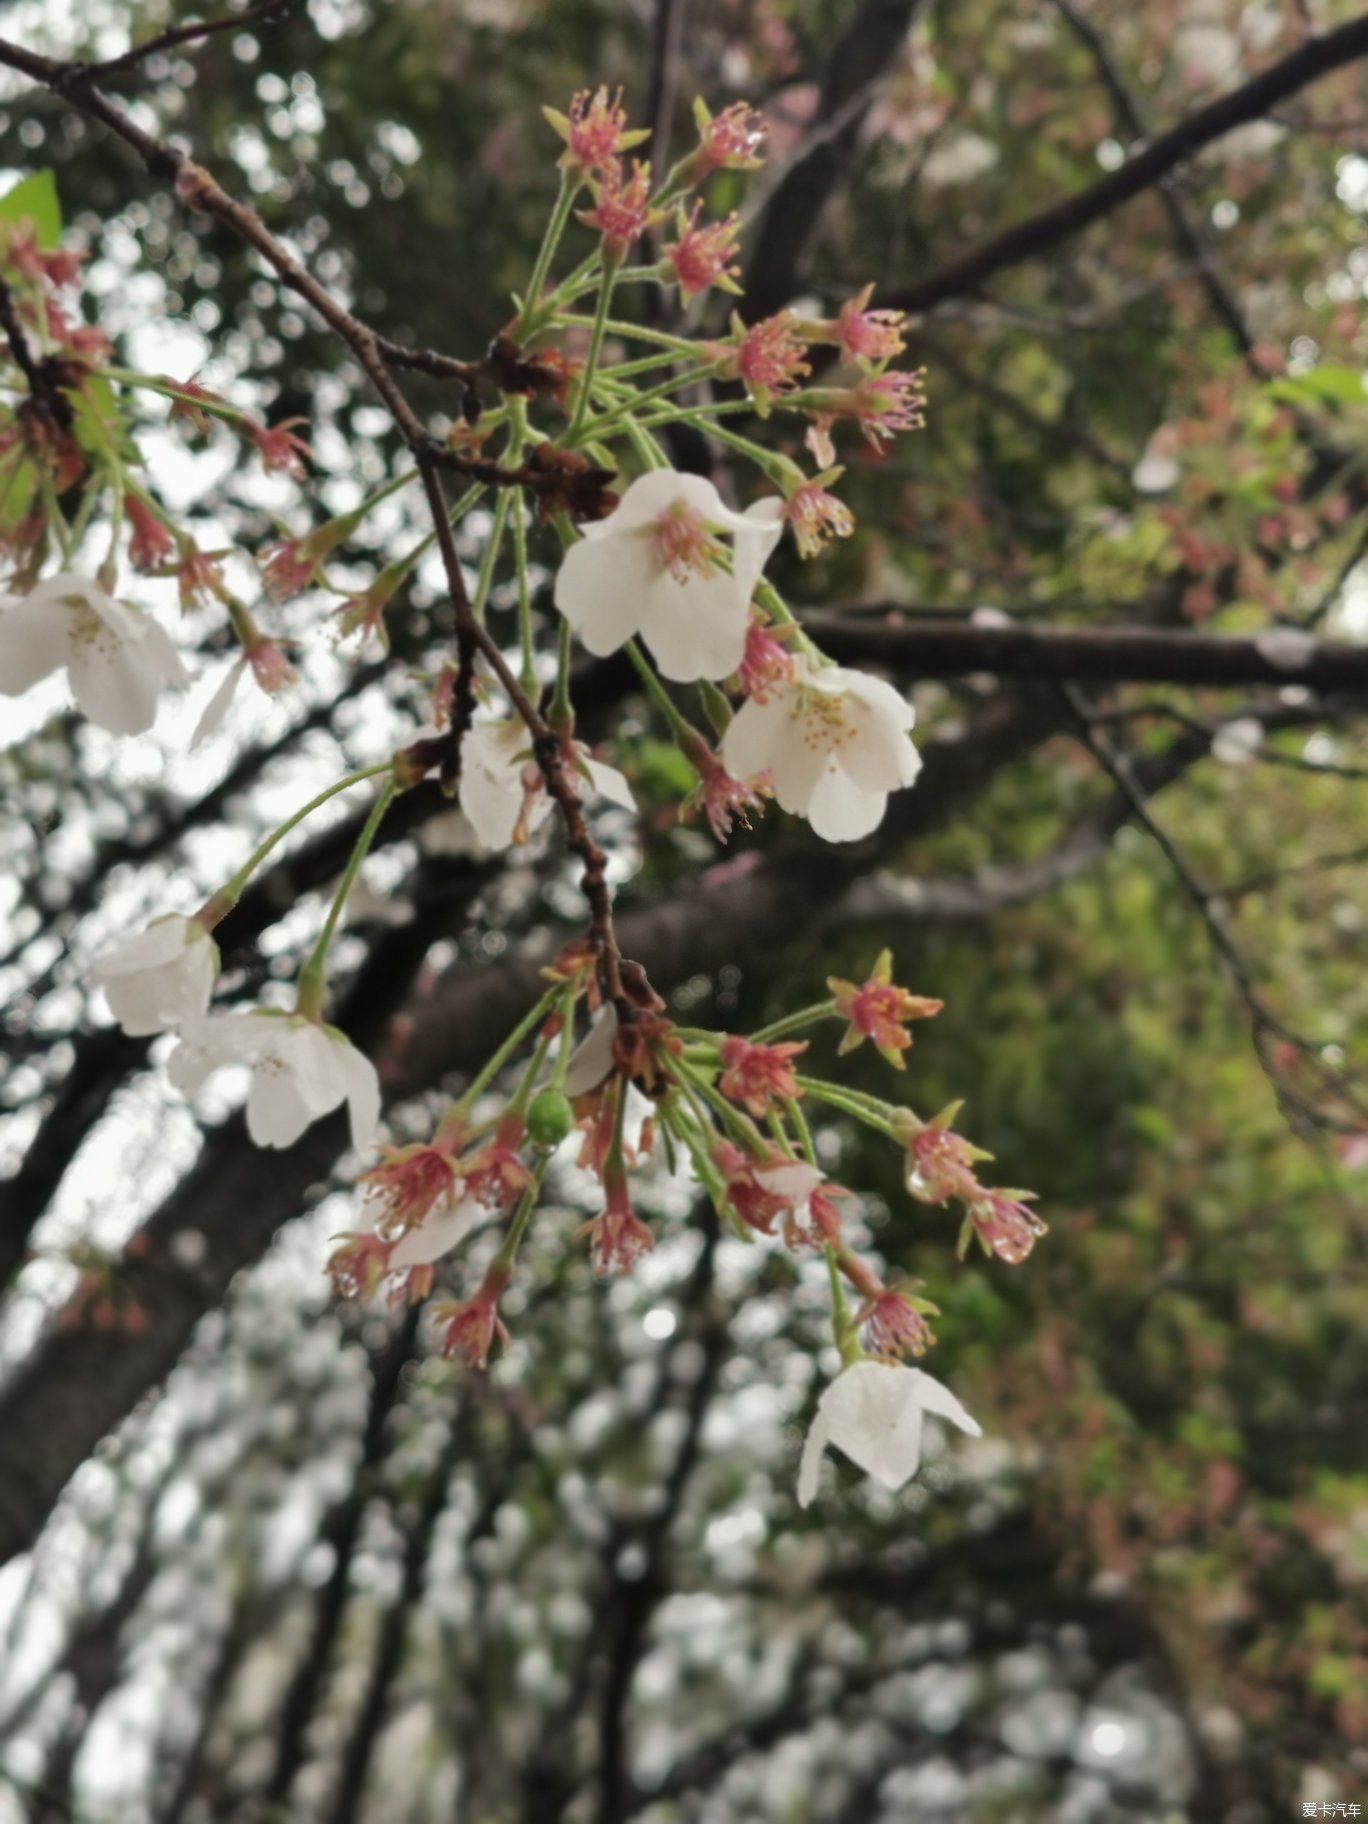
{"points": [[839, 811], [315, 1061], [159, 979], [592, 1058], [602, 589], [795, 1183], [161, 651], [224, 1038], [162, 942], [608, 782], [937, 1398], [757, 534], [656, 492], [814, 1446], [695, 628], [33, 642], [216, 709], [363, 1094], [753, 733], [113, 684], [875, 1418], [278, 1108], [436, 1237]]}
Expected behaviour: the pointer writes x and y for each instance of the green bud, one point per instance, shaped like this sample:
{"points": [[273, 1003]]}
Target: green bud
{"points": [[550, 1118]]}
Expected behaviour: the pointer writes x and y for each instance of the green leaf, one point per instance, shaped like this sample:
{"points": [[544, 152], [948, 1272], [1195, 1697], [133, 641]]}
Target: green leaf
{"points": [[35, 198], [1328, 385]]}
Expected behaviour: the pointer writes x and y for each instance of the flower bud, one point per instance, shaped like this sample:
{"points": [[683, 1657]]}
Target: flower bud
{"points": [[550, 1118]]}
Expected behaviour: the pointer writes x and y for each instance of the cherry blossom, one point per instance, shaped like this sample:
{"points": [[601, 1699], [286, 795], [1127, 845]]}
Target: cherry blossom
{"points": [[759, 1077], [301, 1071], [701, 256], [834, 743], [878, 1010], [595, 130], [502, 791], [655, 567], [874, 1412], [159, 979], [117, 660], [267, 664]]}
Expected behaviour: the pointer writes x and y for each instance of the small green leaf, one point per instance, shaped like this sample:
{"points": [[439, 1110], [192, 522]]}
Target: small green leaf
{"points": [[35, 198]]}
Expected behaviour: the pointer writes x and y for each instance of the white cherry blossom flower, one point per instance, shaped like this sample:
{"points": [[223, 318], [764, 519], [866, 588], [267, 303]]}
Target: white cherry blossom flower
{"points": [[159, 979], [301, 1071], [834, 743], [873, 1412], [655, 567], [117, 660], [502, 791]]}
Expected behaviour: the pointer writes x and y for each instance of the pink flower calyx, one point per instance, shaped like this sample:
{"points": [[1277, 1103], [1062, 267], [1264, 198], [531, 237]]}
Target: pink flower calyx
{"points": [[618, 1238], [894, 1323], [622, 211], [471, 1328], [151, 544], [269, 666], [730, 141], [1004, 1225], [941, 1164], [701, 256], [817, 516], [878, 1010], [766, 662], [759, 1077], [594, 129], [280, 450]]}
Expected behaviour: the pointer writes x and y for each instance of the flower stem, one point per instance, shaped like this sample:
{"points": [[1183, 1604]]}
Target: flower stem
{"points": [[314, 973], [596, 334], [488, 1071], [555, 228], [680, 727], [793, 1022], [228, 895]]}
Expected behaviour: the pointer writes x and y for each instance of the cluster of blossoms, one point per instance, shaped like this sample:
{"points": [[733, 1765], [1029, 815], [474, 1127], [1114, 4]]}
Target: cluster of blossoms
{"points": [[647, 561]]}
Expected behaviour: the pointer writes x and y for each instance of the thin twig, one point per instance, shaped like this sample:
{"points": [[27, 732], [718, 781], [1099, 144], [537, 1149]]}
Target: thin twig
{"points": [[1303, 1114]]}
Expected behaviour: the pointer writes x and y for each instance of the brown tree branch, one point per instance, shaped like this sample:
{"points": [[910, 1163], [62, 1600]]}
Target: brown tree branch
{"points": [[1112, 655], [1027, 239]]}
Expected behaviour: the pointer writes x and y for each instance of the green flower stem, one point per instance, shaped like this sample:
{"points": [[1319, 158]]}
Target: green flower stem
{"points": [[228, 895], [591, 359], [155, 383], [842, 1324], [798, 1121], [680, 727], [646, 364], [634, 332], [529, 663], [314, 973], [583, 279], [562, 712], [522, 1095], [567, 1039], [794, 1022], [503, 1262], [876, 1105], [846, 1104], [565, 197], [529, 1022], [633, 402], [779, 1135]]}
